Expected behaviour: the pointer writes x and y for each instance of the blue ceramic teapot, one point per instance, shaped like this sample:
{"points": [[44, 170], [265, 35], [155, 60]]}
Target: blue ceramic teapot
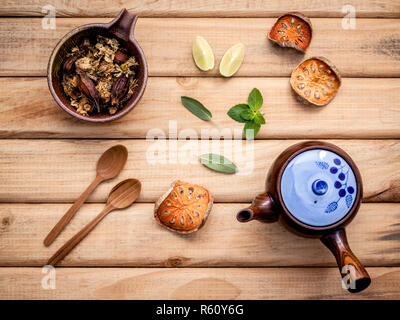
{"points": [[314, 188]]}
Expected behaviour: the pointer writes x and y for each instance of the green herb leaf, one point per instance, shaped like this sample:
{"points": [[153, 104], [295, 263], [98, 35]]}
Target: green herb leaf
{"points": [[251, 129], [218, 163], [255, 99], [259, 119], [236, 111], [196, 108], [248, 114]]}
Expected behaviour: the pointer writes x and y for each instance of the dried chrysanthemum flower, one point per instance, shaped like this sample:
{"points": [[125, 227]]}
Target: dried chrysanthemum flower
{"points": [[184, 208], [82, 106], [315, 81], [103, 87], [70, 85], [292, 30], [84, 63], [112, 43], [129, 66]]}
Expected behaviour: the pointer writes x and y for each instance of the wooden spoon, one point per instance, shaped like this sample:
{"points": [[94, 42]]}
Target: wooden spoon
{"points": [[121, 196], [109, 166]]}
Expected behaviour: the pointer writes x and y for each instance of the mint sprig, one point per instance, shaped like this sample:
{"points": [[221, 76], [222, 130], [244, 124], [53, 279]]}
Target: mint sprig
{"points": [[249, 114]]}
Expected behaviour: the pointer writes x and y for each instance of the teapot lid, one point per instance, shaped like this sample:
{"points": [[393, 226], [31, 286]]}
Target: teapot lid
{"points": [[318, 187]]}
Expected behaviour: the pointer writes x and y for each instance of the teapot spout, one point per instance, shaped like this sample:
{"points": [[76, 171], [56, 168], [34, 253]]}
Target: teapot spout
{"points": [[245, 215], [262, 209]]}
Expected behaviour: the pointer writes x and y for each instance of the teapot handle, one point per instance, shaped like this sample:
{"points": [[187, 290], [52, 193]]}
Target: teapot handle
{"points": [[262, 208], [123, 25], [354, 276]]}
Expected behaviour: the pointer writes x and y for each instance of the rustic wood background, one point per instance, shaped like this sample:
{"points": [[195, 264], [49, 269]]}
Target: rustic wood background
{"points": [[47, 158]]}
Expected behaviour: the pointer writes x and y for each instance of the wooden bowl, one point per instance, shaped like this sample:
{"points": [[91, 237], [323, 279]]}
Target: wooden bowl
{"points": [[121, 28]]}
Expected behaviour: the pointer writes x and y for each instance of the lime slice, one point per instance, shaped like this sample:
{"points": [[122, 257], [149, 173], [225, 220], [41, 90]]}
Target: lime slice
{"points": [[202, 54], [232, 60]]}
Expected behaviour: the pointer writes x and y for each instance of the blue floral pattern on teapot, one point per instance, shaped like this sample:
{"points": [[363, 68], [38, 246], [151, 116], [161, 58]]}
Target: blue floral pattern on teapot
{"points": [[345, 191]]}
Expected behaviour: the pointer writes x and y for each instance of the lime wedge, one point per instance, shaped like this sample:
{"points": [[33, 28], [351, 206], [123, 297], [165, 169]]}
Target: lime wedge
{"points": [[232, 60], [202, 54]]}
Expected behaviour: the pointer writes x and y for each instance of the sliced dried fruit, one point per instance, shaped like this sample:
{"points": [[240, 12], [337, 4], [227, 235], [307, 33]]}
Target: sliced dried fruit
{"points": [[315, 81], [69, 64], [120, 57], [202, 54], [184, 208], [119, 89], [292, 30], [232, 60], [87, 87]]}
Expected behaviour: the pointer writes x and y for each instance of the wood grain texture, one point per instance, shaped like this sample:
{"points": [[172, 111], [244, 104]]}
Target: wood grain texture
{"points": [[58, 170], [204, 8], [363, 108], [370, 50], [132, 237], [205, 284]]}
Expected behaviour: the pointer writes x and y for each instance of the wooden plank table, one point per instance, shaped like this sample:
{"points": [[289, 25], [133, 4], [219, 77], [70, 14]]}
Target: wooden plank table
{"points": [[47, 157]]}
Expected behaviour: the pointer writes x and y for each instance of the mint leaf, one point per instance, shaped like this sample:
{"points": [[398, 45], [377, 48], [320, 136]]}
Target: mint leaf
{"points": [[196, 108], [259, 119], [236, 111], [255, 99], [251, 129], [247, 114]]}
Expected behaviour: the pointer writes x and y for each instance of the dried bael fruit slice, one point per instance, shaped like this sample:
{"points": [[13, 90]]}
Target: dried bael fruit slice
{"points": [[316, 81], [184, 208], [292, 30]]}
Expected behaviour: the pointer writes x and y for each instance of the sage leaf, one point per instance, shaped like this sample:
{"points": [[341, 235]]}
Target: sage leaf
{"points": [[236, 111], [218, 163], [251, 129], [196, 108], [259, 119], [255, 99], [247, 114]]}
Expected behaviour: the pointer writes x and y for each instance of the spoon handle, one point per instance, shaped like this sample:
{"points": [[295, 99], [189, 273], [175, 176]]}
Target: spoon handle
{"points": [[71, 243], [66, 218]]}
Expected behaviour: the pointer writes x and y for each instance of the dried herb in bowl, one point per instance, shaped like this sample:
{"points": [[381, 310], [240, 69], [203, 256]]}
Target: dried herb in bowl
{"points": [[99, 76]]}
